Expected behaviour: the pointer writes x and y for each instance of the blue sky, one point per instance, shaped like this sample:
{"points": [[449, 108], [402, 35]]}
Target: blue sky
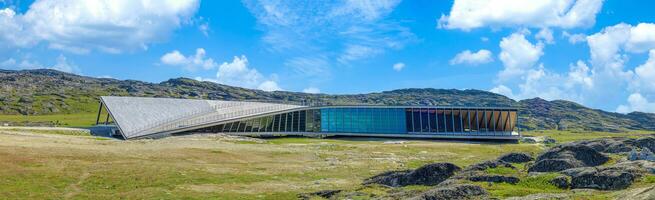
{"points": [[590, 51]]}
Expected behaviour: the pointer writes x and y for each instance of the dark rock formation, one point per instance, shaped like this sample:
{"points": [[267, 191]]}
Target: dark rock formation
{"points": [[494, 179], [568, 156], [606, 179], [516, 158], [553, 165], [619, 145], [646, 142], [488, 164], [431, 174], [562, 182], [323, 193], [464, 191]]}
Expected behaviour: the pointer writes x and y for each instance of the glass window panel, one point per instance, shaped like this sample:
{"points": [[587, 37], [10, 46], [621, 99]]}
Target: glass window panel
{"points": [[449, 120], [416, 119], [441, 121], [432, 120], [425, 122]]}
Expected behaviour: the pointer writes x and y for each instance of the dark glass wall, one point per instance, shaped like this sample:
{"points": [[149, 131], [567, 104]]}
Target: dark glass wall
{"points": [[448, 121]]}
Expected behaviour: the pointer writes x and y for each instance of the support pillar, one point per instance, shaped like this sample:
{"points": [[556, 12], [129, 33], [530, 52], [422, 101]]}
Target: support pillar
{"points": [[99, 111]]}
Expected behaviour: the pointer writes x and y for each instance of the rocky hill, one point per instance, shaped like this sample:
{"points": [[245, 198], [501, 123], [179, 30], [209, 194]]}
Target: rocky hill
{"points": [[37, 92]]}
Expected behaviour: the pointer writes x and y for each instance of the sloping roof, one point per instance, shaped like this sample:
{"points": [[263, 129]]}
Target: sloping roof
{"points": [[142, 116]]}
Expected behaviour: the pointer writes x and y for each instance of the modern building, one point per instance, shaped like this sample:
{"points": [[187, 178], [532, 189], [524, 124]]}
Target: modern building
{"points": [[141, 117]]}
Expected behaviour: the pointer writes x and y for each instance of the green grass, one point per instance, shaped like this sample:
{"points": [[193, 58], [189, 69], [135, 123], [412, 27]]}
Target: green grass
{"points": [[569, 136], [207, 168], [56, 132], [501, 171], [527, 185], [64, 120]]}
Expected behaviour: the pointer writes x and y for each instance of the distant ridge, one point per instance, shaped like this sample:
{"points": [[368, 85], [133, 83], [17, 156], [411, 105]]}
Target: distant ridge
{"points": [[45, 91]]}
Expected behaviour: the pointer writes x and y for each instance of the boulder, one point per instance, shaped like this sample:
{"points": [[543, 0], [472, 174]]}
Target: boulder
{"points": [[586, 155], [606, 179], [615, 177], [494, 179], [568, 156], [463, 191], [390, 178], [619, 145], [529, 140], [548, 140], [644, 154], [553, 165], [323, 193], [516, 158], [431, 174], [637, 166], [646, 143], [488, 164], [562, 182]]}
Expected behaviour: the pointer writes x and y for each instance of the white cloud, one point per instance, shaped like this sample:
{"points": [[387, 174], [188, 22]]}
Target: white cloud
{"points": [[470, 14], [539, 82], [579, 74], [191, 62], [355, 29], [518, 55], [467, 57], [503, 90], [61, 64], [637, 102], [238, 73], [398, 66], [575, 38], [603, 82], [546, 35], [111, 26], [204, 28], [642, 38], [65, 66], [313, 66], [269, 86], [645, 74], [356, 52], [311, 90]]}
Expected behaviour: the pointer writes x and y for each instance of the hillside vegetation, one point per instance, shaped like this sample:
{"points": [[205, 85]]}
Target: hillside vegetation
{"points": [[47, 92]]}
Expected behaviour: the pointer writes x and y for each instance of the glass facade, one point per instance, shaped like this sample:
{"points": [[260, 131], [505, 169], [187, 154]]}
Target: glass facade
{"points": [[380, 120], [363, 120]]}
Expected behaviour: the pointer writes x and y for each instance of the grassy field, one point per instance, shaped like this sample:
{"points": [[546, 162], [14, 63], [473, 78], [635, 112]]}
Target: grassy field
{"points": [[63, 120], [37, 164]]}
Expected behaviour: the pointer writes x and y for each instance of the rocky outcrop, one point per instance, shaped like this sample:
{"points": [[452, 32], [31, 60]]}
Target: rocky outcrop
{"points": [[431, 174], [603, 179], [516, 158], [494, 179], [323, 193], [562, 182], [464, 191], [553, 165], [615, 177], [488, 164], [644, 154], [568, 156], [619, 145]]}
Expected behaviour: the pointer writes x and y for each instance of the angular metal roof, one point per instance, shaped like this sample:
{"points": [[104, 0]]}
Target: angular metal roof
{"points": [[142, 116]]}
